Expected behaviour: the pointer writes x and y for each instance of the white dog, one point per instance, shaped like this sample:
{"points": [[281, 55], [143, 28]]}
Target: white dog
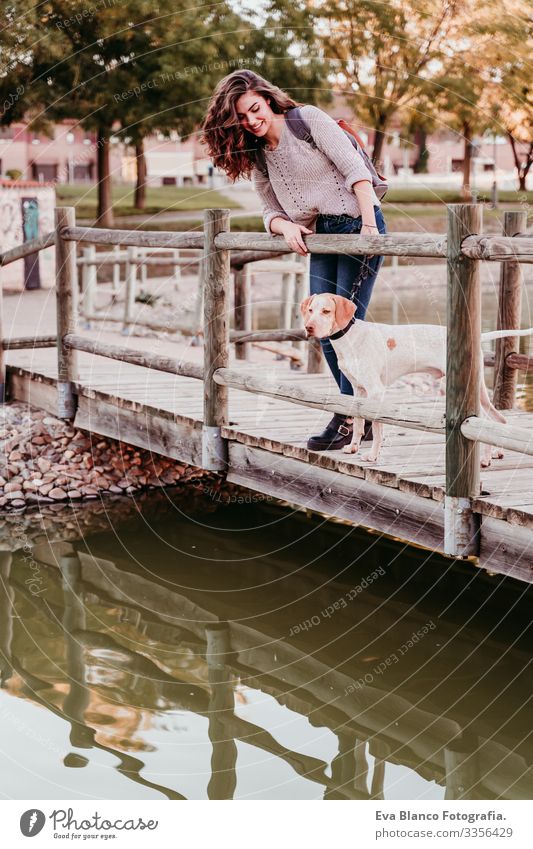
{"points": [[372, 356]]}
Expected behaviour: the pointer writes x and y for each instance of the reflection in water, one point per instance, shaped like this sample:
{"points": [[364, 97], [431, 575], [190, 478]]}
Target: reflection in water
{"points": [[185, 661]]}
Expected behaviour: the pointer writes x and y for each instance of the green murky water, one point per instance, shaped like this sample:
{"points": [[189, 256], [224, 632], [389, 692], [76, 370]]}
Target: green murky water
{"points": [[184, 647]]}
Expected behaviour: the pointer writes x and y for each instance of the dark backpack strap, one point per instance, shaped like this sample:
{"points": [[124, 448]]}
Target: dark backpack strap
{"points": [[298, 126]]}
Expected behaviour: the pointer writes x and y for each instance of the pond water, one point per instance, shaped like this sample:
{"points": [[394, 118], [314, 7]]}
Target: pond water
{"points": [[190, 646]]}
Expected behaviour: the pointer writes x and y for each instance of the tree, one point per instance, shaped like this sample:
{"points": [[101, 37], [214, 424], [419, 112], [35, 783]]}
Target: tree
{"points": [[511, 91], [378, 52], [483, 85], [93, 63]]}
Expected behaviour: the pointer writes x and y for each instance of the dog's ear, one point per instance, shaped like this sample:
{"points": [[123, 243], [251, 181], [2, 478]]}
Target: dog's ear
{"points": [[344, 310], [305, 304]]}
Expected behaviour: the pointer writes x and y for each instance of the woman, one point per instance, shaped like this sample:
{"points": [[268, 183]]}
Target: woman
{"points": [[324, 188]]}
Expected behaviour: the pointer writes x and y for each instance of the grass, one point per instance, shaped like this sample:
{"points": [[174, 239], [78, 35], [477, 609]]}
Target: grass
{"points": [[440, 195], [158, 199]]}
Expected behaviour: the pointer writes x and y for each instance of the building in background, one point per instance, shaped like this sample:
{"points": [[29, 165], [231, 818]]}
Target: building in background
{"points": [[69, 156]]}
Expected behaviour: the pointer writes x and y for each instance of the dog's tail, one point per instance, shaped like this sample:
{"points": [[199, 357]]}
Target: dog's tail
{"points": [[501, 334]]}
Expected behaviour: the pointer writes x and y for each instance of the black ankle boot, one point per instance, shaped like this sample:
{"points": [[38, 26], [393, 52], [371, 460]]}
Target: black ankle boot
{"points": [[336, 434]]}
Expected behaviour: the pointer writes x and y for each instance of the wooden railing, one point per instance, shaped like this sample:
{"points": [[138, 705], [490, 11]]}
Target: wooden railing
{"points": [[463, 247]]}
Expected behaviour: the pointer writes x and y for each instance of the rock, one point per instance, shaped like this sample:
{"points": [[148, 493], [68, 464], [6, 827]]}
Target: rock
{"points": [[43, 465], [45, 489], [15, 455], [38, 440], [68, 455], [89, 490], [18, 502], [114, 488], [73, 493], [123, 484], [12, 486], [57, 493]]}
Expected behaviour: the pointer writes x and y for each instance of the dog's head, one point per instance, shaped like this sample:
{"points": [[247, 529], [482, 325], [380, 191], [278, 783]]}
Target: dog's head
{"points": [[326, 314]]}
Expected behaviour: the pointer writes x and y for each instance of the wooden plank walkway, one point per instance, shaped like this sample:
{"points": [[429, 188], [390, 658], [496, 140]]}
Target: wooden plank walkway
{"points": [[400, 495]]}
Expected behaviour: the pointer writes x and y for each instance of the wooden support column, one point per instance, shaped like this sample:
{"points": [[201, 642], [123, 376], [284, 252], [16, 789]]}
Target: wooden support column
{"points": [[89, 278], [116, 270], [131, 286], [216, 339], [242, 309], [301, 290], [463, 375], [509, 315], [315, 358], [67, 308]]}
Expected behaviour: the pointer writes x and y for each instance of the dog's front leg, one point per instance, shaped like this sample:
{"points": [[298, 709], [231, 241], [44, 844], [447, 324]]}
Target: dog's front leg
{"points": [[358, 422], [377, 433]]}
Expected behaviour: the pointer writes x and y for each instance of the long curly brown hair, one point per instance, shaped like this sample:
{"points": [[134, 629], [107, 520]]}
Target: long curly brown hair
{"points": [[231, 147]]}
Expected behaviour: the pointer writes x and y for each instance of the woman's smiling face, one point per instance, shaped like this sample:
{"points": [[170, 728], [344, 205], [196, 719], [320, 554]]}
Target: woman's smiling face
{"points": [[254, 113]]}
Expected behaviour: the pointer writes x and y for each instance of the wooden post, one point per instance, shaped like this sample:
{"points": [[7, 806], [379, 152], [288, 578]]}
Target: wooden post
{"points": [[89, 283], [288, 294], [67, 305], [144, 267], [131, 285], [463, 375], [199, 302], [509, 315], [177, 269], [315, 360], [242, 309], [116, 270], [216, 339], [301, 289]]}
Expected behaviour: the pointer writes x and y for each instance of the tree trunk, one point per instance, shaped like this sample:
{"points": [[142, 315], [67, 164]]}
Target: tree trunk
{"points": [[140, 187], [105, 203], [422, 153], [522, 166], [377, 151], [467, 161]]}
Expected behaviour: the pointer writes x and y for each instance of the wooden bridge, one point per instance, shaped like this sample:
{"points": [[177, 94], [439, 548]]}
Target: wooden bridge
{"points": [[251, 422]]}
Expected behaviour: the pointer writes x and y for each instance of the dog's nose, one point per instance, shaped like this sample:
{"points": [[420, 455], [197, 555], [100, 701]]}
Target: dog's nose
{"points": [[309, 329]]}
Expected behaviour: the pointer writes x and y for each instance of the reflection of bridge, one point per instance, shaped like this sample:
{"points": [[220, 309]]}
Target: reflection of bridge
{"points": [[452, 708]]}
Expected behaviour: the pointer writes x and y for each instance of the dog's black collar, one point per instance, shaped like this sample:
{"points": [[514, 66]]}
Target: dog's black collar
{"points": [[344, 330]]}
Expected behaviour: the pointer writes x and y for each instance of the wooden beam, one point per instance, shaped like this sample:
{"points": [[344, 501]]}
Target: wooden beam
{"points": [[144, 427], [136, 358], [134, 238], [67, 310], [499, 248], [494, 433], [216, 267], [402, 515], [463, 375], [18, 342], [509, 317], [28, 248], [405, 415], [240, 336], [404, 244]]}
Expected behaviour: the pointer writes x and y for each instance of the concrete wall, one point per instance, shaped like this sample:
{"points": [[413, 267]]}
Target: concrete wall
{"points": [[38, 200]]}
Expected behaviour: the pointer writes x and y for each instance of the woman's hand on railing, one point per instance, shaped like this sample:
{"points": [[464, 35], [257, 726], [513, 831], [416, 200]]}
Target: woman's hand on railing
{"points": [[293, 235]]}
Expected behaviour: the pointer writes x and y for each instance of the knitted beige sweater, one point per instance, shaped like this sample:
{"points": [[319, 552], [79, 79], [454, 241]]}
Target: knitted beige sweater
{"points": [[303, 181]]}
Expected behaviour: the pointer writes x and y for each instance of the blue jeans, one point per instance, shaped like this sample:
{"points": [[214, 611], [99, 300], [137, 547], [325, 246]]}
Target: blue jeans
{"points": [[336, 274]]}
